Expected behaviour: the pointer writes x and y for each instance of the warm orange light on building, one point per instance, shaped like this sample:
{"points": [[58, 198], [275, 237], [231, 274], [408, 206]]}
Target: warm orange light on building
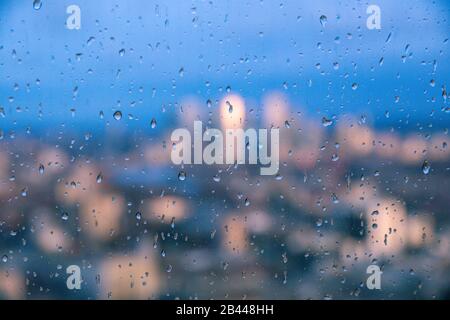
{"points": [[168, 209], [276, 110], [234, 235], [134, 276], [232, 112], [100, 215], [413, 149], [387, 226]]}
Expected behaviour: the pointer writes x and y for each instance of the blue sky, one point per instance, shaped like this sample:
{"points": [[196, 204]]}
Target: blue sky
{"points": [[254, 47]]}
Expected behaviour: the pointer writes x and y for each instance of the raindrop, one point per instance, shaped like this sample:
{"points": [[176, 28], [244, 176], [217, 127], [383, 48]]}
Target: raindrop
{"points": [[5, 258], [37, 4], [426, 167], [388, 39], [138, 215], [122, 52], [117, 115], [153, 123], [99, 178], [65, 216], [90, 40], [182, 176], [319, 222], [230, 106], [334, 198], [284, 257], [41, 169], [326, 122], [354, 86], [323, 20], [287, 124]]}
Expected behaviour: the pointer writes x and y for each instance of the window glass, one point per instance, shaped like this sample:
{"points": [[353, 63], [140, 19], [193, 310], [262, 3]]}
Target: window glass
{"points": [[224, 149]]}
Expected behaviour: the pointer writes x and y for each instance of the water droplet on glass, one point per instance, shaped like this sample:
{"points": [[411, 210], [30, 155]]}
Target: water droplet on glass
{"points": [[117, 115], [37, 4], [153, 123], [138, 215], [323, 20], [426, 167], [334, 198], [326, 122], [41, 169], [99, 178], [5, 258], [284, 256], [388, 39], [230, 107], [182, 176], [65, 216], [90, 40]]}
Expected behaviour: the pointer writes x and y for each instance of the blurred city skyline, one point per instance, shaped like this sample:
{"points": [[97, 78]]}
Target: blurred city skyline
{"points": [[86, 177]]}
